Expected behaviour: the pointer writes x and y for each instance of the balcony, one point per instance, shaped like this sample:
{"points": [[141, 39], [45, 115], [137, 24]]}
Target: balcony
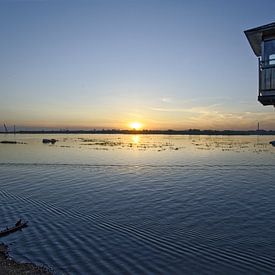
{"points": [[267, 82]]}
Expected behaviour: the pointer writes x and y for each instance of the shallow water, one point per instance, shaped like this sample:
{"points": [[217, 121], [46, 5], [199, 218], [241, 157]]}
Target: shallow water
{"points": [[115, 204]]}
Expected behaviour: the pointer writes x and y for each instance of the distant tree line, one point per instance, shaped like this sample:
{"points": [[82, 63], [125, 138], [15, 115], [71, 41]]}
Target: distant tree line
{"points": [[150, 132]]}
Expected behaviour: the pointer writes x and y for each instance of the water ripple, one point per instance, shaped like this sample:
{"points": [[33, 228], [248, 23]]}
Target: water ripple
{"points": [[89, 244]]}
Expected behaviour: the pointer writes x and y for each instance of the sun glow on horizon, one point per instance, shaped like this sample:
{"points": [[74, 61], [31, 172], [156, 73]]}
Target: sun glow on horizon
{"points": [[135, 125]]}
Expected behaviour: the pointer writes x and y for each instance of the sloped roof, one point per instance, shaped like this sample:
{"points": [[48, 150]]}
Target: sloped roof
{"points": [[256, 35]]}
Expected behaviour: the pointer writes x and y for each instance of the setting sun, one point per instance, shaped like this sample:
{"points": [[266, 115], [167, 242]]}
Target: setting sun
{"points": [[135, 125]]}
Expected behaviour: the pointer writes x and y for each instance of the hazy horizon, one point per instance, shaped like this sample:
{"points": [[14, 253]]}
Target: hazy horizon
{"points": [[19, 128], [109, 64]]}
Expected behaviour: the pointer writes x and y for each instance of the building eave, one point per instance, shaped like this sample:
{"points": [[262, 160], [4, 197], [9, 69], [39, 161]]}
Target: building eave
{"points": [[255, 36]]}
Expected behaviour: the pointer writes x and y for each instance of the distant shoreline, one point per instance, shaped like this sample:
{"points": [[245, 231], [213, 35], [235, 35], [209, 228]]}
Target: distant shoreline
{"points": [[151, 132]]}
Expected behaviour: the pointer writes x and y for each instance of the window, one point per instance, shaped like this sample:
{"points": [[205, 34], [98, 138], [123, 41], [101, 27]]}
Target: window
{"points": [[272, 59], [269, 52]]}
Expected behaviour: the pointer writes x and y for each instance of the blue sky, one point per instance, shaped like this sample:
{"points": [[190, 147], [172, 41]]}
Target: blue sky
{"points": [[104, 64]]}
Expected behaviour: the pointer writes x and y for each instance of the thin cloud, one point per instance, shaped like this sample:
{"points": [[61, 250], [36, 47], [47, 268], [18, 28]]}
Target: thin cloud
{"points": [[199, 110], [166, 99]]}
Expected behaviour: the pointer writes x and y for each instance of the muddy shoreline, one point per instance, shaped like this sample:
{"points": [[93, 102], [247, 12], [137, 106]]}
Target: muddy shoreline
{"points": [[9, 266]]}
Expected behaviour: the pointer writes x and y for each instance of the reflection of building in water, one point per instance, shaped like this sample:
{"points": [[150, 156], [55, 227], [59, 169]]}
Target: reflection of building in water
{"points": [[262, 42]]}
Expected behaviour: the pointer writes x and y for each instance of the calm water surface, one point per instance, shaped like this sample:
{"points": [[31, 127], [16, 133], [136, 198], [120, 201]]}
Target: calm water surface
{"points": [[134, 204]]}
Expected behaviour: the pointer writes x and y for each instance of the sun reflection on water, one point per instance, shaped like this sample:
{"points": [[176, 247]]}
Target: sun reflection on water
{"points": [[136, 139]]}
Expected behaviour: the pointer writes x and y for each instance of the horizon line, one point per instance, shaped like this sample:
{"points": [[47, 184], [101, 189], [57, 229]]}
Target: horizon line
{"points": [[143, 131]]}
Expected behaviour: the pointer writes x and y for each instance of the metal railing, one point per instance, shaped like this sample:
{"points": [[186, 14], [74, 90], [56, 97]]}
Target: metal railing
{"points": [[269, 63], [266, 76]]}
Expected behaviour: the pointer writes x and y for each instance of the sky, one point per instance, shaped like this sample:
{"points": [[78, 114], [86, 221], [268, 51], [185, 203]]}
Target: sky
{"points": [[167, 64]]}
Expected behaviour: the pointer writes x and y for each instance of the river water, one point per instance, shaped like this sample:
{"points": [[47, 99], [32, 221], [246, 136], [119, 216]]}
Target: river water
{"points": [[141, 204]]}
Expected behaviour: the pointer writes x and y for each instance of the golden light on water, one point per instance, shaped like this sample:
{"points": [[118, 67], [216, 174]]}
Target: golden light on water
{"points": [[135, 125], [136, 139]]}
